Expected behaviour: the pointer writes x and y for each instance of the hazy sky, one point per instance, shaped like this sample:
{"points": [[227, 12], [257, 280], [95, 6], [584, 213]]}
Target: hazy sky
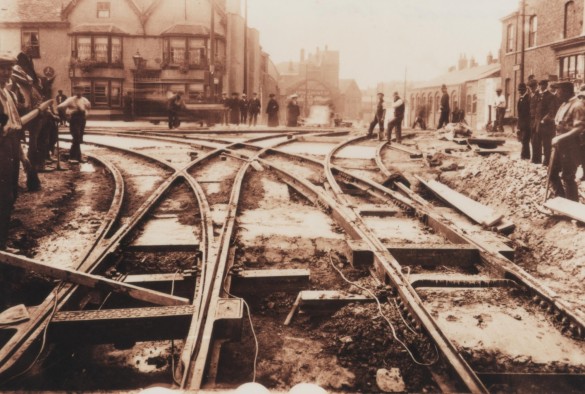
{"points": [[377, 39]]}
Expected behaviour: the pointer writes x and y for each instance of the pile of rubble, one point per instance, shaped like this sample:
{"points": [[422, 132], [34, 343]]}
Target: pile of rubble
{"points": [[513, 186]]}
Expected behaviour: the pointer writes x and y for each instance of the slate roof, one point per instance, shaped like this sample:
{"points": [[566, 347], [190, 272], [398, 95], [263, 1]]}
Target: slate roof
{"points": [[31, 10], [461, 76]]}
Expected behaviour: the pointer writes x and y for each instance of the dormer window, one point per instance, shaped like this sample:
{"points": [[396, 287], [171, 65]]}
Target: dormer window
{"points": [[103, 9]]}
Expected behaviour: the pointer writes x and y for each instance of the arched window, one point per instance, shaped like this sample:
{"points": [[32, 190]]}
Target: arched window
{"points": [[474, 104], [468, 104], [570, 27], [429, 108], [454, 102], [532, 25]]}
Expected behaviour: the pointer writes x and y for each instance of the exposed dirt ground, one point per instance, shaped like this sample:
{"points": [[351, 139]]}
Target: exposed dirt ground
{"points": [[550, 247]]}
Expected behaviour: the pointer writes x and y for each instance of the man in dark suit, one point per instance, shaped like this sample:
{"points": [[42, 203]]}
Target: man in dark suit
{"points": [[244, 103], [444, 107], [254, 107], [524, 120], [546, 110], [534, 137]]}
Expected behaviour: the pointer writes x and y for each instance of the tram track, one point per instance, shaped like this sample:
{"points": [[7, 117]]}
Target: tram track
{"points": [[355, 202]]}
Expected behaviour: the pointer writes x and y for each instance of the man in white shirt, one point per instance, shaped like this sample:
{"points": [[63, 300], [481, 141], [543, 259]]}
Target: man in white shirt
{"points": [[500, 105], [79, 107]]}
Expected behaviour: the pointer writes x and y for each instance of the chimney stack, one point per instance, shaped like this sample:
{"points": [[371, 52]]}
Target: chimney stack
{"points": [[490, 58]]}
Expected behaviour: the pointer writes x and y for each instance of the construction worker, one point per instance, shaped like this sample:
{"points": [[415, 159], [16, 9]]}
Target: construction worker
{"points": [[570, 130], [378, 116], [398, 105], [11, 153]]}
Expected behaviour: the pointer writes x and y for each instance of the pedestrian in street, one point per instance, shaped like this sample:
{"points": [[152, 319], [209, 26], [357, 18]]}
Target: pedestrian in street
{"points": [[234, 105], [293, 111], [444, 108], [11, 153], [379, 117], [546, 110], [398, 106], [272, 110], [523, 107], [59, 99], [175, 105], [534, 137], [254, 107], [581, 95], [128, 107], [244, 104], [78, 106], [570, 129], [500, 106], [226, 105]]}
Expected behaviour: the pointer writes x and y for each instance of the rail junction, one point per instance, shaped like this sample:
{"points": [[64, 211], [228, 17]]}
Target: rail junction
{"points": [[281, 256]]}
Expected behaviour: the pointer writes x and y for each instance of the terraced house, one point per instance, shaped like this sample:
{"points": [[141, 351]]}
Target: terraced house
{"points": [[145, 47], [545, 39]]}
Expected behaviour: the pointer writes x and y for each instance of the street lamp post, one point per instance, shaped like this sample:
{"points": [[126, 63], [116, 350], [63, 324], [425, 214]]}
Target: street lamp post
{"points": [[137, 58]]}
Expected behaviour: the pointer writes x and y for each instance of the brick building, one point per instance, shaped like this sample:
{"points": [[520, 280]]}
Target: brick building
{"points": [[471, 88], [554, 44], [147, 47], [315, 79]]}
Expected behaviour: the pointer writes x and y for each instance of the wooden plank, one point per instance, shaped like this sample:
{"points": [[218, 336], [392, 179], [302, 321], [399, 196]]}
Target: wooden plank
{"points": [[476, 211], [486, 140], [122, 325], [91, 281], [569, 208], [375, 210], [449, 255], [270, 280]]}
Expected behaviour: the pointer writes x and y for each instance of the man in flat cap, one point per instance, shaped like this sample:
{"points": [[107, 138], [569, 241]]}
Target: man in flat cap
{"points": [[444, 108], [523, 107], [546, 110], [379, 116], [570, 129], [396, 122], [500, 106], [11, 153]]}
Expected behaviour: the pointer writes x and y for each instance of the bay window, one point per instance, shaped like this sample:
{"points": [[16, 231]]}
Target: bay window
{"points": [[183, 51], [104, 50]]}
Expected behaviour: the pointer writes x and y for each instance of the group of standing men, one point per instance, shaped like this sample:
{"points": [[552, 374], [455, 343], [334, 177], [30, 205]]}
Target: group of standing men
{"points": [[396, 122], [241, 110], [548, 120]]}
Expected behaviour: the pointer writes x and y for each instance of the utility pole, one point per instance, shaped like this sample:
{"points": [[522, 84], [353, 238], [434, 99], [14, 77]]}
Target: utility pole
{"points": [[246, 46], [523, 10], [212, 50]]}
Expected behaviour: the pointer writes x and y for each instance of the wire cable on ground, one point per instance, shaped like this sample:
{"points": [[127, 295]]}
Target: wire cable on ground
{"points": [[44, 340], [251, 327], [381, 313]]}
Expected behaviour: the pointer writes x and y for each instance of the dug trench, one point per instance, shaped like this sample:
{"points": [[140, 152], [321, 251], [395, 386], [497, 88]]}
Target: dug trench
{"points": [[163, 243], [340, 349], [54, 225]]}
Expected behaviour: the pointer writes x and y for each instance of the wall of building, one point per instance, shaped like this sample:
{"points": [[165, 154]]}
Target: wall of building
{"points": [[540, 60]]}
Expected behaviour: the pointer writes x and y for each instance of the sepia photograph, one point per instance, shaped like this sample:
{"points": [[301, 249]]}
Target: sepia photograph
{"points": [[292, 196]]}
